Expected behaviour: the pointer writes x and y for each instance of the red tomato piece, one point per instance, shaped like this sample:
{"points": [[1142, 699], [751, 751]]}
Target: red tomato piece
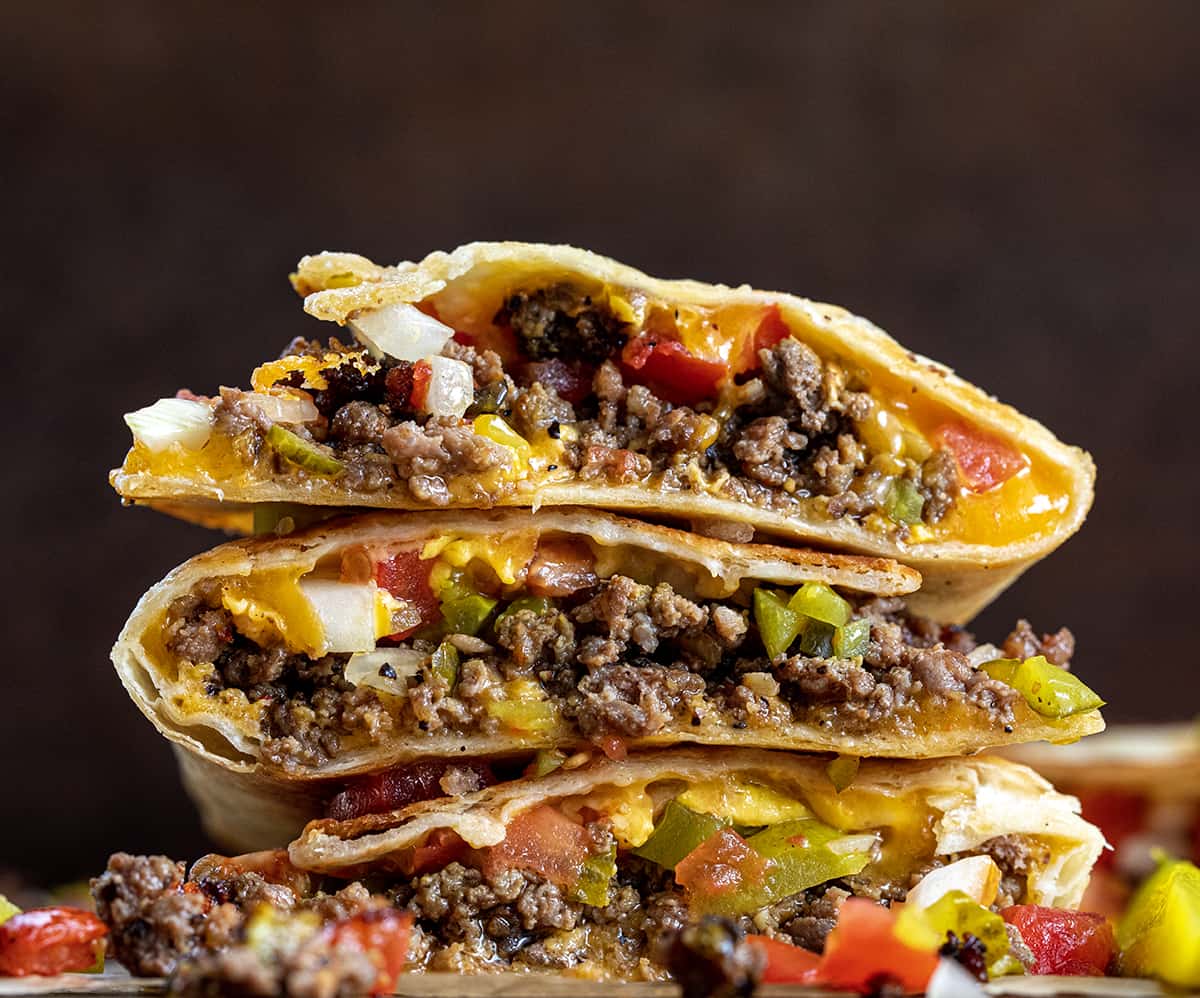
{"points": [[669, 370], [786, 964], [1118, 816], [421, 374], [1078, 943], [542, 840], [383, 934], [406, 577], [396, 788], [49, 941], [771, 329], [440, 849], [721, 863], [613, 746], [983, 461], [863, 948]]}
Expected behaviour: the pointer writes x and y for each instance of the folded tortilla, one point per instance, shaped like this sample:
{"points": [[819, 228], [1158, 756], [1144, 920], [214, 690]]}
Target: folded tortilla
{"points": [[894, 823], [358, 645], [762, 412]]}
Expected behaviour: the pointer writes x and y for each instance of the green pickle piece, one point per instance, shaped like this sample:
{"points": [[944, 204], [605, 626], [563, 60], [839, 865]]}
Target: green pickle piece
{"points": [[302, 453], [817, 639], [595, 877], [805, 853], [678, 832], [467, 614], [538, 604], [778, 625], [903, 502], [818, 601], [841, 771], [957, 912], [7, 909], [444, 663], [1159, 932], [547, 761], [529, 716], [1048, 689], [852, 639]]}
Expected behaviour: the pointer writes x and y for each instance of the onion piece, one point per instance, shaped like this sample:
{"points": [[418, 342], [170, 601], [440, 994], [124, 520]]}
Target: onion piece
{"points": [[352, 615], [950, 979], [284, 408], [976, 876], [363, 668], [848, 844], [171, 421], [401, 331], [984, 654], [451, 387]]}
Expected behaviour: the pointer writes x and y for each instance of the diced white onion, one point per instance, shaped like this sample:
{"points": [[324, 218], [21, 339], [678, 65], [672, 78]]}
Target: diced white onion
{"points": [[363, 669], [984, 654], [348, 613], [402, 331], [852, 844], [283, 408], [171, 421], [976, 876], [451, 387], [950, 979]]}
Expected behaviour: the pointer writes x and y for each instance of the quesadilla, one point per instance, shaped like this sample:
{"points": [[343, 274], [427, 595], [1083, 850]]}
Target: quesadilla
{"points": [[510, 374], [594, 869], [354, 646]]}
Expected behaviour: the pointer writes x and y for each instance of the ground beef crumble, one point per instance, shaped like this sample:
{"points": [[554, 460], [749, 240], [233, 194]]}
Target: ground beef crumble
{"points": [[618, 658], [788, 430]]}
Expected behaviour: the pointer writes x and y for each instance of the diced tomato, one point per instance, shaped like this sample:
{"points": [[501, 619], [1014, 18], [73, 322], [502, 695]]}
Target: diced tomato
{"points": [[542, 840], [572, 381], [786, 964], [383, 934], [1076, 943], [863, 948], [421, 374], [406, 577], [983, 461], [771, 329], [401, 786], [613, 746], [1118, 815], [49, 941], [722, 863], [669, 370], [440, 849]]}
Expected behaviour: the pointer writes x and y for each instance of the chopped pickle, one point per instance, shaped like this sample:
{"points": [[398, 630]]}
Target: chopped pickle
{"points": [[7, 909], [595, 876], [778, 625], [1157, 934], [547, 761], [903, 503], [842, 770], [529, 716], [745, 803], [467, 614], [300, 452], [853, 639], [678, 832], [445, 663], [817, 639], [284, 517], [489, 399], [818, 602], [1048, 689], [957, 912], [538, 604], [806, 853]]}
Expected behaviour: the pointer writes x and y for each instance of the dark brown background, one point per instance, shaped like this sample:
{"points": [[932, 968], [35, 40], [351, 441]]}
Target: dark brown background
{"points": [[1008, 187]]}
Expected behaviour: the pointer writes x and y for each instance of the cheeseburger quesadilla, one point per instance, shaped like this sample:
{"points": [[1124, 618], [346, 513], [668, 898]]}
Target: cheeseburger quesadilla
{"points": [[596, 868], [359, 645], [509, 374]]}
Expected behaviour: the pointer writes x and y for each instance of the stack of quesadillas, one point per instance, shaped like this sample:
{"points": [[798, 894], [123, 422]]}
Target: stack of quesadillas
{"points": [[603, 625]]}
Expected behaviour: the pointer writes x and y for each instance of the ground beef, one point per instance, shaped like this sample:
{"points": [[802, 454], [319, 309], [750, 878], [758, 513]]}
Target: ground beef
{"points": [[535, 641], [358, 423], [425, 456], [1023, 643], [614, 464], [561, 321], [486, 365], [1017, 858], [196, 630], [768, 450], [939, 484], [634, 700], [151, 923], [539, 408]]}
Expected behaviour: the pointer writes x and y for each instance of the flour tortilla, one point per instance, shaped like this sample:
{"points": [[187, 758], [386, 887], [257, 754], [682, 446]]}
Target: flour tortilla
{"points": [[965, 802], [961, 577]]}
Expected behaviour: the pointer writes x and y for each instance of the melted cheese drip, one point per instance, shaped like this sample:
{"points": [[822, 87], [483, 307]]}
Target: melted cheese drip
{"points": [[508, 555]]}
